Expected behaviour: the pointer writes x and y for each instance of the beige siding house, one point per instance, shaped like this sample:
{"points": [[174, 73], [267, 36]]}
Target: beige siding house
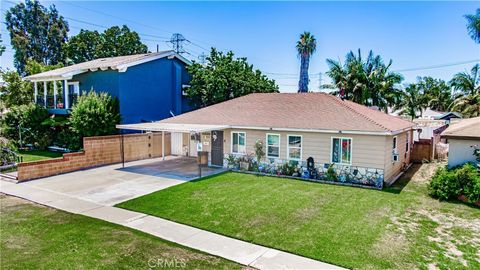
{"points": [[358, 141], [462, 137]]}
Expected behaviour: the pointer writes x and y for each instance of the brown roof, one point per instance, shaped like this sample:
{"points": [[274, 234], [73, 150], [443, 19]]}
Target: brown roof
{"points": [[465, 128], [312, 111]]}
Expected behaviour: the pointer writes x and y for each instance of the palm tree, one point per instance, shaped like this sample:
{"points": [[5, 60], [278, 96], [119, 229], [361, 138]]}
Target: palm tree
{"points": [[467, 105], [437, 94], [410, 102], [368, 82], [467, 100], [473, 25], [306, 46], [466, 83]]}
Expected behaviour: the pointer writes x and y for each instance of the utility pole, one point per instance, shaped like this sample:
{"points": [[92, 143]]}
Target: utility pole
{"points": [[177, 41], [202, 58], [320, 81]]}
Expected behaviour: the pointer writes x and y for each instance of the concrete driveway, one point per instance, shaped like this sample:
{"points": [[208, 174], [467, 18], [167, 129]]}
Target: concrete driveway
{"points": [[113, 184]]}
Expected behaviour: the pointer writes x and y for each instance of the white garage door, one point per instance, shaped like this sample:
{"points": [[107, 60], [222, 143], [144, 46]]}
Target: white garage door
{"points": [[177, 143]]}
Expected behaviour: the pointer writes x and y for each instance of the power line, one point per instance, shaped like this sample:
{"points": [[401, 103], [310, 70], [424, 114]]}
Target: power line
{"points": [[439, 66], [117, 17]]}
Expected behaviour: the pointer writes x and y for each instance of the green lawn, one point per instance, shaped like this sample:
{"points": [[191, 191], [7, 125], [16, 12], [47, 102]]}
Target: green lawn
{"points": [[35, 155], [398, 228], [37, 237]]}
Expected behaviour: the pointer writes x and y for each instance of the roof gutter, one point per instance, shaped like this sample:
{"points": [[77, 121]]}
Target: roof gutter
{"points": [[331, 131]]}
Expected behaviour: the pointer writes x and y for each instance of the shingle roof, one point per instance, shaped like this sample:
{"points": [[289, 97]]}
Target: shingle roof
{"points": [[310, 111], [465, 128], [101, 63]]}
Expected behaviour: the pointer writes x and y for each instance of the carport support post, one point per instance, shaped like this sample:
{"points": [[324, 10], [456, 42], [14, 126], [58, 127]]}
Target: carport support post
{"points": [[123, 151], [163, 145]]}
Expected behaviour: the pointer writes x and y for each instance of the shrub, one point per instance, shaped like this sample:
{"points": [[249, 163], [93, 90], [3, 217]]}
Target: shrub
{"points": [[95, 114], [28, 119], [448, 184], [259, 151], [68, 139]]}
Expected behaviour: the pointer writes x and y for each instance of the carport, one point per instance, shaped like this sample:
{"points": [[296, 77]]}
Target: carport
{"points": [[187, 142]]}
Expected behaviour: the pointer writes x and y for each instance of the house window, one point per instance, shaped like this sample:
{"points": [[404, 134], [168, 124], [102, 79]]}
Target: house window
{"points": [[239, 143], [395, 144], [407, 146], [294, 147], [341, 150], [273, 145]]}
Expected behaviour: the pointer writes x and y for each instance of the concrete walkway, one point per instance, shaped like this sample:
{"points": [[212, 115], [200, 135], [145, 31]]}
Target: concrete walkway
{"points": [[232, 249]]}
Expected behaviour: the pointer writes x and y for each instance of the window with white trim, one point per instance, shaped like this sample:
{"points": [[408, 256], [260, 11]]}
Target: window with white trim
{"points": [[273, 145], [239, 143], [394, 145], [294, 147], [341, 150], [407, 146]]}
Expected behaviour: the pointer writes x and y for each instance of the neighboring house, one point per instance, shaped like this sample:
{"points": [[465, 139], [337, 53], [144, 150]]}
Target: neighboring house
{"points": [[430, 114], [462, 137], [148, 86], [295, 127]]}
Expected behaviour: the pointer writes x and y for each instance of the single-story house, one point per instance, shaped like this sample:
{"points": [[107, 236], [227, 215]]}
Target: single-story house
{"points": [[149, 86], [360, 143], [462, 136]]}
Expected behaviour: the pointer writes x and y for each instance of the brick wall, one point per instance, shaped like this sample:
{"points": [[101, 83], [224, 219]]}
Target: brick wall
{"points": [[98, 151]]}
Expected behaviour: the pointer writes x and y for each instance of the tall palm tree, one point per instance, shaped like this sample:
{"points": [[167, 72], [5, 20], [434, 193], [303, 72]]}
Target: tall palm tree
{"points": [[306, 46], [473, 25]]}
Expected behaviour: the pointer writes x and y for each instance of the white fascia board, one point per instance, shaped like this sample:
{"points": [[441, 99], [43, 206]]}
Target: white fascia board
{"points": [[330, 131], [124, 67]]}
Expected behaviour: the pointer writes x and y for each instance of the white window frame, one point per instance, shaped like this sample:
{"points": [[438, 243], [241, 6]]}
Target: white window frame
{"points": [[288, 147], [407, 149], [394, 149], [76, 87], [279, 144], [231, 142], [351, 150]]}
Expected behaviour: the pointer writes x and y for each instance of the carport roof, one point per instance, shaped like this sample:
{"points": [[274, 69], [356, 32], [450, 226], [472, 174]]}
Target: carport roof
{"points": [[172, 127]]}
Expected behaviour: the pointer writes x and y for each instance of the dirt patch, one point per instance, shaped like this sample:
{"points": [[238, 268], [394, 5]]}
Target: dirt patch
{"points": [[445, 233], [305, 214]]}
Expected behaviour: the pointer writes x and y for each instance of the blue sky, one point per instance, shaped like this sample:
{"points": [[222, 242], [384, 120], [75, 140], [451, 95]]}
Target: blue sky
{"points": [[412, 34]]}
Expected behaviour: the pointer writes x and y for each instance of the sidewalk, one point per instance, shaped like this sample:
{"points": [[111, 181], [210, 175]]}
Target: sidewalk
{"points": [[232, 249]]}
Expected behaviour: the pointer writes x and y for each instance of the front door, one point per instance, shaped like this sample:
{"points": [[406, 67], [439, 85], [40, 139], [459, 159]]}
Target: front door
{"points": [[217, 148]]}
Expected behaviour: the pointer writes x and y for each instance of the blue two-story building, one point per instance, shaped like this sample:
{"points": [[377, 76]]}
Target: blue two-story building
{"points": [[149, 86]]}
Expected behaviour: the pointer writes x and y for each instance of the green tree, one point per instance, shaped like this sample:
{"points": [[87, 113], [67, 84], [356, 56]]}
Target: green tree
{"points": [[410, 103], [27, 121], [83, 46], [115, 41], [95, 114], [36, 33], [467, 83], [15, 91], [473, 25], [306, 46], [2, 47], [437, 94], [34, 67], [368, 82], [467, 105], [224, 77], [467, 96], [118, 41]]}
